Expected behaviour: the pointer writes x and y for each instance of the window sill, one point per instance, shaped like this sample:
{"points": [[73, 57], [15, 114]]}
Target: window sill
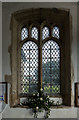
{"points": [[52, 107], [54, 98], [24, 95]]}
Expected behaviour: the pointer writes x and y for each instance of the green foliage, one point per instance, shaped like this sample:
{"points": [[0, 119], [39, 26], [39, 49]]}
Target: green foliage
{"points": [[26, 89], [49, 89], [39, 102], [52, 89]]}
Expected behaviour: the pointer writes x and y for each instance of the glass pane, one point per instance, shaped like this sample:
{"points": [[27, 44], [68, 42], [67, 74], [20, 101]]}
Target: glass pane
{"points": [[34, 33], [29, 66], [55, 32], [29, 88], [45, 33], [24, 33], [51, 66], [51, 88]]}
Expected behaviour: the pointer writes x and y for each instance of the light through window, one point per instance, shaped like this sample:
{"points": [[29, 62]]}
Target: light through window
{"points": [[24, 33], [51, 67], [40, 55], [29, 67], [34, 33], [45, 33], [50, 62], [55, 32]]}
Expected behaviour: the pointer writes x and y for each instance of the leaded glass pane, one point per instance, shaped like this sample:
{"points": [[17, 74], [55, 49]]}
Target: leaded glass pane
{"points": [[51, 67], [55, 32], [24, 33], [34, 33], [45, 33], [29, 67]]}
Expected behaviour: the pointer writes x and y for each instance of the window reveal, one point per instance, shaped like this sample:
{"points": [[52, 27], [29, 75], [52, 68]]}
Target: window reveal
{"points": [[58, 27]]}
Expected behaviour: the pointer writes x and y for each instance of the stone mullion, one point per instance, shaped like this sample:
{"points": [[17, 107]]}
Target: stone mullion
{"points": [[40, 58]]}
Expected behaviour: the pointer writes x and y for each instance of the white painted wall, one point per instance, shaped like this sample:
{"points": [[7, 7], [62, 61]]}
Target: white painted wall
{"points": [[55, 113], [8, 9]]}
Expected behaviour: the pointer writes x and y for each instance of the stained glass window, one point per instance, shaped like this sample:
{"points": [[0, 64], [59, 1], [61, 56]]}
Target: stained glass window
{"points": [[55, 32], [24, 33], [34, 33], [29, 67], [45, 33], [51, 67]]}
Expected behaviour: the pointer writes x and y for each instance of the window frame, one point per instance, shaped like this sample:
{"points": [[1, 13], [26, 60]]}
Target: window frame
{"points": [[40, 44], [61, 18]]}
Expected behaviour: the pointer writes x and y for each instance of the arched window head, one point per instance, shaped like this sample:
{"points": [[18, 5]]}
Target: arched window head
{"points": [[45, 33], [29, 67], [55, 32], [24, 33], [51, 67], [34, 33], [34, 41]]}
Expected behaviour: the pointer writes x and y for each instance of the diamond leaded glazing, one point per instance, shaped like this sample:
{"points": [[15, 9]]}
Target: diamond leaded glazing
{"points": [[51, 67], [34, 33], [55, 32], [24, 33], [45, 33], [29, 67]]}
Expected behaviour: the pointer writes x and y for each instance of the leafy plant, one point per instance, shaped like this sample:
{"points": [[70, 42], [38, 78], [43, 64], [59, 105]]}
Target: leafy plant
{"points": [[39, 102]]}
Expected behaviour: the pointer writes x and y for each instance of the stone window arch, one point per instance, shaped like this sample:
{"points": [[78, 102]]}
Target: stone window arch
{"points": [[34, 27]]}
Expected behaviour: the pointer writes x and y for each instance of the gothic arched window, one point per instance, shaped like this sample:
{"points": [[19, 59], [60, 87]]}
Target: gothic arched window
{"points": [[50, 52], [40, 56]]}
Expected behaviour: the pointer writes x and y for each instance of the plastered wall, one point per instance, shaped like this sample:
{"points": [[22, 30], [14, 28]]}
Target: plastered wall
{"points": [[7, 10]]}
